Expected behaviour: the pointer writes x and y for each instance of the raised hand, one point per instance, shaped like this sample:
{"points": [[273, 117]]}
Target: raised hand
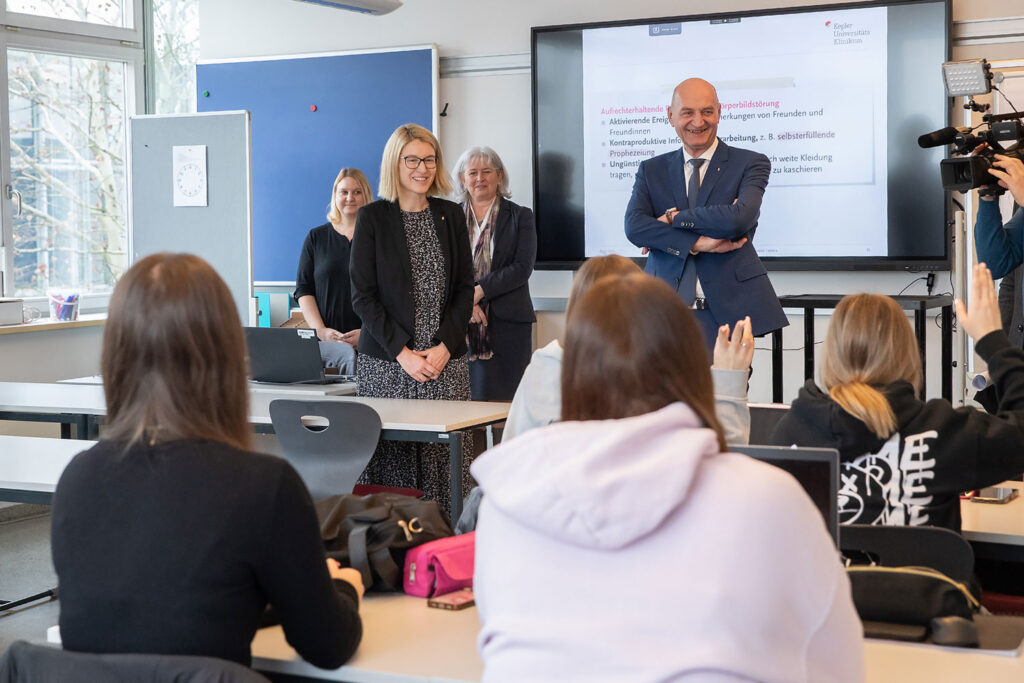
{"points": [[984, 314], [737, 352]]}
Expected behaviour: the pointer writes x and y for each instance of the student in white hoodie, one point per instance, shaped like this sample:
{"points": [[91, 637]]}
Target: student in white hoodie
{"points": [[625, 544], [538, 400]]}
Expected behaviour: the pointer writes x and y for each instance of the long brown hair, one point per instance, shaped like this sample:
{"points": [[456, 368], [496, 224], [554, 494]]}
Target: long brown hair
{"points": [[869, 344], [633, 347], [592, 270], [173, 357]]}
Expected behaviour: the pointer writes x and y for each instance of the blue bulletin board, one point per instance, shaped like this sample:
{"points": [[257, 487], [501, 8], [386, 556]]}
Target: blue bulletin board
{"points": [[311, 116]]}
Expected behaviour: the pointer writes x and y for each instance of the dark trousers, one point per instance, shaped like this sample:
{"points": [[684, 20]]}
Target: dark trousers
{"points": [[497, 378], [709, 329]]}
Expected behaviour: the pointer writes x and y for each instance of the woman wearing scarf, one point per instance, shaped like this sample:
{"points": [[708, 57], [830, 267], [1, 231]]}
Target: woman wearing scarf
{"points": [[504, 245]]}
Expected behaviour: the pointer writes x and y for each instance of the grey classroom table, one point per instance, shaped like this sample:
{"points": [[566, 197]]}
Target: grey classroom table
{"points": [[30, 466], [996, 531], [310, 390], [404, 641], [402, 419]]}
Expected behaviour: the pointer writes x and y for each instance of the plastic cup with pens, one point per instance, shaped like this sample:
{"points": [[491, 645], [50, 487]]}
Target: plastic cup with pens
{"points": [[63, 304]]}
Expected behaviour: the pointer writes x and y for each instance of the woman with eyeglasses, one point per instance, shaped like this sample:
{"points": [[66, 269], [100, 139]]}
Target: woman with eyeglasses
{"points": [[412, 286]]}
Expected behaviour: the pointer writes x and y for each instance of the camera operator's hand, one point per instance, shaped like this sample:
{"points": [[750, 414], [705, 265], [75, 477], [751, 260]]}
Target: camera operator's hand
{"points": [[985, 197], [1010, 172]]}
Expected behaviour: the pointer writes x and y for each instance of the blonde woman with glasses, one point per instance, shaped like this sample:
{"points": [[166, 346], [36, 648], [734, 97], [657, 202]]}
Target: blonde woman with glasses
{"points": [[412, 287]]}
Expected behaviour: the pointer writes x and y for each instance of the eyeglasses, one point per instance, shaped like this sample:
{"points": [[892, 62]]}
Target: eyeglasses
{"points": [[414, 162]]}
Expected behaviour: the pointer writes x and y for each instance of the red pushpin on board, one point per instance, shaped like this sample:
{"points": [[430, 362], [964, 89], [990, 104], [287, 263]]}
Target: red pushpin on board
{"points": [[312, 107]]}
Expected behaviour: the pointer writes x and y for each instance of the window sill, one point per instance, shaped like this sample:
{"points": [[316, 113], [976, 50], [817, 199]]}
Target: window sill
{"points": [[46, 325]]}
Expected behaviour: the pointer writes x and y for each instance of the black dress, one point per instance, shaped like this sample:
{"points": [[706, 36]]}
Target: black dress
{"points": [[422, 466], [323, 274]]}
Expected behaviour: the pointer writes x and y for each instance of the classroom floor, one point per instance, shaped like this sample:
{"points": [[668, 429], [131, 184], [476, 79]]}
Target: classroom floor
{"points": [[25, 569]]}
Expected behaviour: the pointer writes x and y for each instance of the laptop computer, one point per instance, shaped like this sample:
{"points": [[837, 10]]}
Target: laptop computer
{"points": [[287, 355], [817, 471]]}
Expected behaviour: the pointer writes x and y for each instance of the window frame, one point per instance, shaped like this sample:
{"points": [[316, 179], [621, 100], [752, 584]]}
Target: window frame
{"points": [[132, 33], [135, 87]]}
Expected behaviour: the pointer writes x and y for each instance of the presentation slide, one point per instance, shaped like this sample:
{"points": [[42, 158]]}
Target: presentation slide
{"points": [[807, 90]]}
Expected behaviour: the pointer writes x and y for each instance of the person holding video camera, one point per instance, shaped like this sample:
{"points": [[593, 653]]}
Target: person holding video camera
{"points": [[998, 245]]}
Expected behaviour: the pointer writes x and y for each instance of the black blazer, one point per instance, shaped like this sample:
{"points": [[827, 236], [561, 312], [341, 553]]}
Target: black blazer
{"points": [[506, 287], [382, 278]]}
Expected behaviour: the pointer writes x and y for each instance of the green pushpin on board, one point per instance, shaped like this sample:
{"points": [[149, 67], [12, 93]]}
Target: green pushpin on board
{"points": [[206, 93]]}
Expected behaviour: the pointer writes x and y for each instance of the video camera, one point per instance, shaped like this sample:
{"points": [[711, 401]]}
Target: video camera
{"points": [[1003, 133]]}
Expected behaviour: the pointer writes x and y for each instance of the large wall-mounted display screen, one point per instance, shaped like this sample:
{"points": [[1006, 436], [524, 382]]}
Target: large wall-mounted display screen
{"points": [[835, 96]]}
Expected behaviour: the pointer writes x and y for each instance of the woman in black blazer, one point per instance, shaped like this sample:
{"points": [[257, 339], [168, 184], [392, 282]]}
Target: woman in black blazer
{"points": [[412, 287], [503, 240]]}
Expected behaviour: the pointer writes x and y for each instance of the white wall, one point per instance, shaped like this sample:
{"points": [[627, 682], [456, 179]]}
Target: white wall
{"points": [[495, 110]]}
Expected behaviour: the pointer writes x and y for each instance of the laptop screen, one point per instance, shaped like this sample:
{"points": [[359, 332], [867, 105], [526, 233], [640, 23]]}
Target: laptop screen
{"points": [[817, 471], [284, 355]]}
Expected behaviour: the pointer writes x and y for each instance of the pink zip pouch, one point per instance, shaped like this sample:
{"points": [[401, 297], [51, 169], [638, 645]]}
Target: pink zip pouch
{"points": [[440, 567]]}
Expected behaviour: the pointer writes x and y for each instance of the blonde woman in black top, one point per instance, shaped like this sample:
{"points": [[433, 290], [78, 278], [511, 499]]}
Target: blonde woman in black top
{"points": [[323, 287]]}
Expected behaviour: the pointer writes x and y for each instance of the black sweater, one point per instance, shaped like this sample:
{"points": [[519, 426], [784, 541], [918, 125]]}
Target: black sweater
{"points": [[323, 274], [915, 476], [177, 549]]}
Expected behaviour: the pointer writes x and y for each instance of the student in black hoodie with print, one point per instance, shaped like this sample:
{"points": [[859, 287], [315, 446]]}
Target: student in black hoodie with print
{"points": [[904, 461]]}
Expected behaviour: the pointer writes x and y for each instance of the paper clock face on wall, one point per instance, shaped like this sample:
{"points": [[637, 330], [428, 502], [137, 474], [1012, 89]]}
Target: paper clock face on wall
{"points": [[189, 175]]}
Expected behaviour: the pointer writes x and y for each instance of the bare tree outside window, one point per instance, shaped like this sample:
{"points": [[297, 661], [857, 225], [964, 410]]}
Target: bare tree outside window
{"points": [[175, 50], [68, 142], [105, 12], [67, 133]]}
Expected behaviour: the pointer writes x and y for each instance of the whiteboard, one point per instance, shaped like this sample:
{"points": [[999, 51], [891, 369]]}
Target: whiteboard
{"points": [[220, 232]]}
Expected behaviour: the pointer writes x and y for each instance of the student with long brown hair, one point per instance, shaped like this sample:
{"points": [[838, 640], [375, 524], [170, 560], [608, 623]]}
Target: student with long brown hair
{"points": [[904, 461], [170, 536], [538, 399], [650, 552]]}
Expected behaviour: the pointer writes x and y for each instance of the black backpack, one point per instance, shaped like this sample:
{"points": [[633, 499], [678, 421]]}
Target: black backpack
{"points": [[372, 533]]}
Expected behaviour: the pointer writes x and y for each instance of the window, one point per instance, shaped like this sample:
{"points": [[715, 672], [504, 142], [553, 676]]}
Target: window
{"points": [[174, 50], [67, 166], [105, 12], [72, 78]]}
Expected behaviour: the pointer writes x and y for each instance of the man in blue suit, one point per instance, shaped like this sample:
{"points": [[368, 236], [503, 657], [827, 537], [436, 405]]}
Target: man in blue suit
{"points": [[695, 210]]}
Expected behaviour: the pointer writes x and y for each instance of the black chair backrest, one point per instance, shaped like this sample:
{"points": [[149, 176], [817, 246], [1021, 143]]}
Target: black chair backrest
{"points": [[912, 546], [328, 458], [763, 418], [27, 663]]}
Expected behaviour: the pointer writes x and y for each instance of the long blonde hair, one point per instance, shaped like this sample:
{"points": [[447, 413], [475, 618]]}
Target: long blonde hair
{"points": [[869, 344]]}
